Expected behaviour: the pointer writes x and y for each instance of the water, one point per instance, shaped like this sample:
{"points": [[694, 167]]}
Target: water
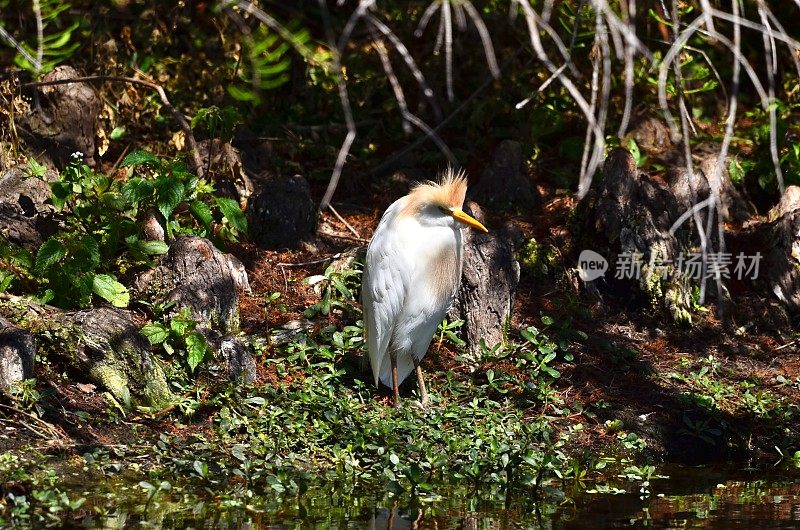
{"points": [[705, 497]]}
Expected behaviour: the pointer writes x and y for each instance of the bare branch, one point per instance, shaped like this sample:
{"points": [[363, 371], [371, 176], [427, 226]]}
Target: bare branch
{"points": [[486, 39], [409, 60], [350, 137], [771, 57], [269, 21], [37, 11], [534, 22], [22, 51], [380, 47], [458, 13], [363, 6], [628, 54], [448, 49], [425, 18]]}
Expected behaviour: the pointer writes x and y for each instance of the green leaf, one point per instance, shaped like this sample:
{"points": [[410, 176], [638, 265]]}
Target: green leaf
{"points": [[196, 348], [136, 190], [46, 297], [243, 94], [552, 372], [5, 280], [633, 147], [108, 288], [170, 194], [153, 247], [275, 68], [117, 133], [736, 171], [341, 287], [201, 468], [233, 213], [155, 332], [238, 451], [22, 257], [113, 200], [180, 326], [530, 334], [61, 38], [60, 193], [202, 213], [49, 253], [140, 158], [87, 253], [35, 169], [275, 83]]}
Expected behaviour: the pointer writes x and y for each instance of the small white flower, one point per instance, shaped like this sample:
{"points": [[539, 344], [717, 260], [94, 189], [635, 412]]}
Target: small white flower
{"points": [[77, 155]]}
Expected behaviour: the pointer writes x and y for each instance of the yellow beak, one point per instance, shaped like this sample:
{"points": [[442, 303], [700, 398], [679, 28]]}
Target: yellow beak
{"points": [[459, 215]]}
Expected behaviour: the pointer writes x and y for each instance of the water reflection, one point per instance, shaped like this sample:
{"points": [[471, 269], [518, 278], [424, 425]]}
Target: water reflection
{"points": [[386, 519], [713, 498], [700, 498]]}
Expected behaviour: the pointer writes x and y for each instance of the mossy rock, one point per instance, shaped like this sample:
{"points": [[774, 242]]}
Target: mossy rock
{"points": [[102, 343]]}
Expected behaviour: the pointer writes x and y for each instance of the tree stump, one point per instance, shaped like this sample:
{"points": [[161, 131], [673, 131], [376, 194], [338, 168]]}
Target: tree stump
{"points": [[489, 282], [197, 277], [25, 219], [194, 275], [17, 355], [708, 179], [782, 260], [67, 122], [505, 183], [239, 364], [107, 344], [653, 137], [222, 164], [282, 214], [632, 216], [789, 202]]}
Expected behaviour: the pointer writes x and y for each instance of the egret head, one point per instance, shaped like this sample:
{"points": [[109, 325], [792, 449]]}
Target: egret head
{"points": [[440, 204]]}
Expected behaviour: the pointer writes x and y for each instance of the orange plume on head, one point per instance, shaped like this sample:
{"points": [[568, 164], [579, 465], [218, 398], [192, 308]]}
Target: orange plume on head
{"points": [[449, 192]]}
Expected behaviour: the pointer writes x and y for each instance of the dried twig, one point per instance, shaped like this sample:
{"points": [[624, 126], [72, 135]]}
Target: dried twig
{"points": [[342, 219], [54, 433]]}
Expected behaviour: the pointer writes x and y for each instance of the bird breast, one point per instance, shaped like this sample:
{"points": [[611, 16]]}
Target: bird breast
{"points": [[445, 271], [438, 260]]}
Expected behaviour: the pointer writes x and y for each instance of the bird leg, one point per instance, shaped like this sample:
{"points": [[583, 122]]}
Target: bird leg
{"points": [[395, 386], [423, 394]]}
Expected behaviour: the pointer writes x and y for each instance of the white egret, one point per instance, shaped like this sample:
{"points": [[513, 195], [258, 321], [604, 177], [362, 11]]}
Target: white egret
{"points": [[411, 275]]}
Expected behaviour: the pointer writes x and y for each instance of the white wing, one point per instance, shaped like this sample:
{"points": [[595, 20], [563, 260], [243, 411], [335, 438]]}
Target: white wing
{"points": [[385, 284]]}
